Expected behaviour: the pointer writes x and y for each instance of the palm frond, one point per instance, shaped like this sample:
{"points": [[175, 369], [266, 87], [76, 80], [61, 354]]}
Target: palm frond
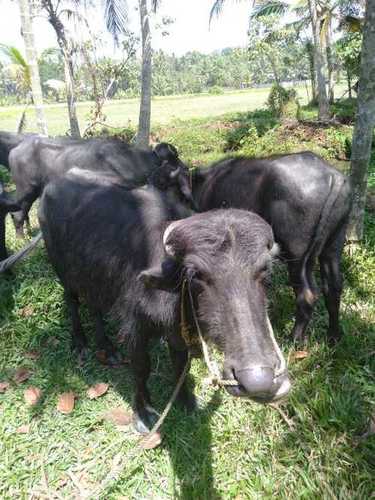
{"points": [[16, 58], [116, 17], [216, 10], [298, 25], [155, 4], [269, 8]]}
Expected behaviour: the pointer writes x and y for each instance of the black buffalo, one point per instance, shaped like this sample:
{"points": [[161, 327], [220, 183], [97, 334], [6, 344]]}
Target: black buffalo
{"points": [[306, 202], [34, 161], [128, 253], [7, 204]]}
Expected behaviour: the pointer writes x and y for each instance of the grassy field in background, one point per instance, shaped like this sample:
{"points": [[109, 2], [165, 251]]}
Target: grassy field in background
{"points": [[164, 110], [230, 448]]}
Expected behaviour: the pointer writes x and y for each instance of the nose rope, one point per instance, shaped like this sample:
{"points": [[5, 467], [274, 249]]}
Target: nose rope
{"points": [[282, 367], [215, 378]]}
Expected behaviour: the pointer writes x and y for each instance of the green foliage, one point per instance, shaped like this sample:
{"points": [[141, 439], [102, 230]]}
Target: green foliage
{"points": [[283, 102], [16, 71], [348, 49], [216, 90], [344, 110], [126, 134], [249, 125], [51, 65]]}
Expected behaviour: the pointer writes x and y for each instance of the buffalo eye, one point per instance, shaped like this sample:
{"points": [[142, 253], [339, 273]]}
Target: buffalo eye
{"points": [[224, 204]]}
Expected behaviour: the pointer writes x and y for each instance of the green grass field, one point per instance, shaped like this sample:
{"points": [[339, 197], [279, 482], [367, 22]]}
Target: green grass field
{"points": [[164, 110], [229, 448]]}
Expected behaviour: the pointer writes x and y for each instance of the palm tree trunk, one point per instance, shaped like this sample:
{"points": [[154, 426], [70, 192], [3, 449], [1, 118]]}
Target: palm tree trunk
{"points": [[349, 81], [143, 135], [331, 95], [32, 60], [319, 63], [364, 127], [310, 55], [70, 95], [68, 66]]}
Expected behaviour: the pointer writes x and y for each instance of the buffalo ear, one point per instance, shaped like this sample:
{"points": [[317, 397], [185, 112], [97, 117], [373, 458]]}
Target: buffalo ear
{"points": [[163, 277]]}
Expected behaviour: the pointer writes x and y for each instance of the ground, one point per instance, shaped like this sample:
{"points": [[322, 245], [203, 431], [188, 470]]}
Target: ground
{"points": [[229, 448]]}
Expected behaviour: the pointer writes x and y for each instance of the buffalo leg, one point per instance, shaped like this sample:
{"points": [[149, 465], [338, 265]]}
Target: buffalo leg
{"points": [[145, 416], [104, 345], [3, 250], [331, 278], [302, 280], [22, 216], [179, 360], [79, 341]]}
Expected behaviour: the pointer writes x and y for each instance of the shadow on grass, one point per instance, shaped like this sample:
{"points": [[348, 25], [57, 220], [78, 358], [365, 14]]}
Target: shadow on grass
{"points": [[330, 406], [187, 437]]}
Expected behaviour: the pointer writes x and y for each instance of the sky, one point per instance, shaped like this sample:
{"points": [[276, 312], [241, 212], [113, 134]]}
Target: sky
{"points": [[190, 31]]}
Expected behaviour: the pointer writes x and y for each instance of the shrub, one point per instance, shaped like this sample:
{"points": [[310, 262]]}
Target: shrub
{"points": [[283, 102], [125, 134], [215, 90]]}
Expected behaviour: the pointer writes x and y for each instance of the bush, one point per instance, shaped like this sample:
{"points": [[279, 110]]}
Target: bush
{"points": [[125, 134], [215, 90], [344, 110], [253, 124], [283, 102]]}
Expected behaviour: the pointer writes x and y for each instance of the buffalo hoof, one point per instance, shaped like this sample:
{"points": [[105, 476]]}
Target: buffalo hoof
{"points": [[333, 337], [145, 420], [299, 337]]}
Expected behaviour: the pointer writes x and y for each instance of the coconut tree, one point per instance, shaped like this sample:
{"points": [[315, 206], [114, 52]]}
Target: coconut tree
{"points": [[143, 135], [55, 13], [320, 16], [364, 127], [32, 63]]}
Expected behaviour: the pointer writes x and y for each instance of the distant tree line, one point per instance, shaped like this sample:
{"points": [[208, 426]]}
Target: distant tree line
{"points": [[194, 72]]}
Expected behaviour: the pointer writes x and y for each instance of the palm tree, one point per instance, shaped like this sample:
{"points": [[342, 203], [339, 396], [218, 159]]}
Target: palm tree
{"points": [[67, 49], [319, 62], [143, 135], [364, 127], [32, 64], [116, 20], [320, 17]]}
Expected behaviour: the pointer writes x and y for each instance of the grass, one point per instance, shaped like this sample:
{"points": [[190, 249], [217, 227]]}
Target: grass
{"points": [[164, 110], [229, 448]]}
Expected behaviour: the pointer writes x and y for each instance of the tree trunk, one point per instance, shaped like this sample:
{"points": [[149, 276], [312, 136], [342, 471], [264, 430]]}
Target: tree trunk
{"points": [[349, 80], [143, 135], [319, 62], [68, 66], [331, 95], [274, 68], [70, 95], [364, 127], [32, 61], [310, 55]]}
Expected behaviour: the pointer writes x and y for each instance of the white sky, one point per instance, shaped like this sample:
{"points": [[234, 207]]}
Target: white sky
{"points": [[189, 31]]}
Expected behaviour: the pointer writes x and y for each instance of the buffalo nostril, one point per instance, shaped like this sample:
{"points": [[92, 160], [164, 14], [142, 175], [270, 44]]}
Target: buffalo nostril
{"points": [[257, 381]]}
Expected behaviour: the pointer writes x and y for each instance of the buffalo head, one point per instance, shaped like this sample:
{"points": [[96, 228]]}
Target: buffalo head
{"points": [[225, 256], [172, 172]]}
